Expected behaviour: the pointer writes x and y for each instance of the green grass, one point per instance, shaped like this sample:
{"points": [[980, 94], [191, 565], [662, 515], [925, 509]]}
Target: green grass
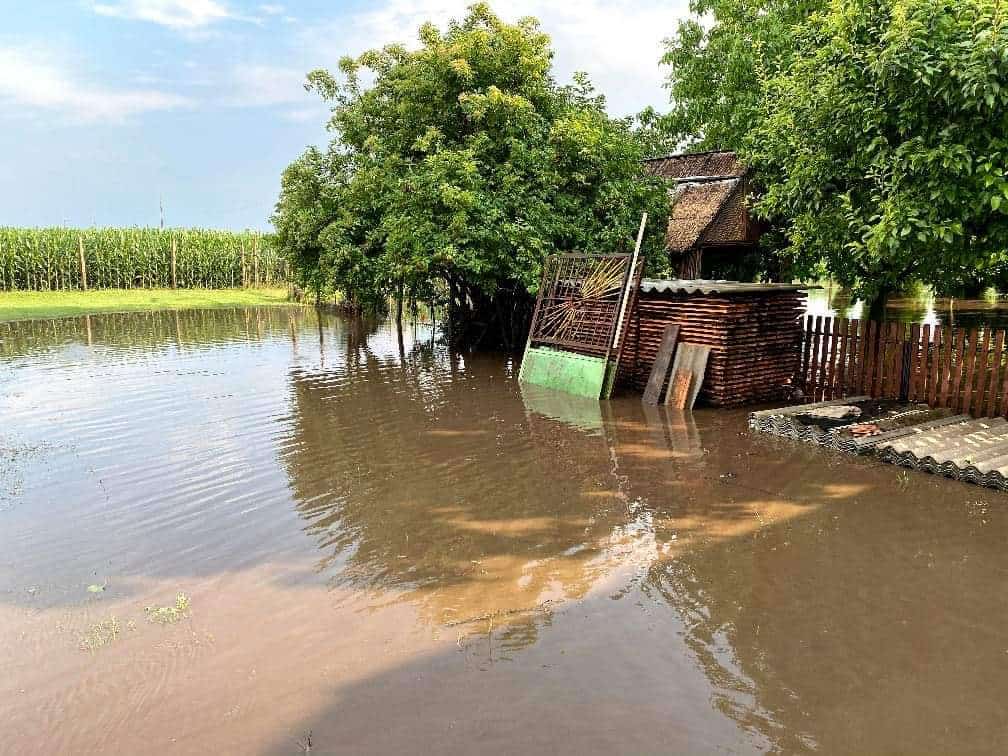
{"points": [[28, 305]]}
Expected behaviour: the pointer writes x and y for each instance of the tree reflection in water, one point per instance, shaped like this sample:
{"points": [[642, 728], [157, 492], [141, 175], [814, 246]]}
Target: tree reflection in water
{"points": [[828, 607]]}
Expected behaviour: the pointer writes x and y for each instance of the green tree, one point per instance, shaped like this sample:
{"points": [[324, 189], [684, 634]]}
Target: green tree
{"points": [[883, 148], [455, 169], [719, 60]]}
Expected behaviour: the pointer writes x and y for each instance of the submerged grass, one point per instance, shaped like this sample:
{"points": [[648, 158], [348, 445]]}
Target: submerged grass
{"points": [[30, 305]]}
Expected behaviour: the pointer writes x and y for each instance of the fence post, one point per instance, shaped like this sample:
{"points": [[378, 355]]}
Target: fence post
{"points": [[905, 374], [83, 264], [255, 260], [174, 253]]}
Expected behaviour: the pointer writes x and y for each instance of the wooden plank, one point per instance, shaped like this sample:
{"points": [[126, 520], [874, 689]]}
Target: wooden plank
{"points": [[852, 362], [840, 384], [969, 368], [871, 351], [959, 367], [881, 360], [660, 369], [701, 354], [806, 350], [899, 364], [816, 360], [955, 358], [885, 364], [1003, 411], [992, 394], [974, 406], [935, 354], [863, 358], [949, 349], [914, 382], [679, 389], [829, 354], [894, 369], [690, 359]]}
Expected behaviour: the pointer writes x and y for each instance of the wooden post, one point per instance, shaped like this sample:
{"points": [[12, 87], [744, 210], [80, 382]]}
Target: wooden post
{"points": [[992, 405], [255, 260], [174, 254], [243, 263], [83, 264]]}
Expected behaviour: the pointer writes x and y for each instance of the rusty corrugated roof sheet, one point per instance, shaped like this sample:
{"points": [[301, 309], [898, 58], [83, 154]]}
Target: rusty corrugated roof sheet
{"points": [[696, 164]]}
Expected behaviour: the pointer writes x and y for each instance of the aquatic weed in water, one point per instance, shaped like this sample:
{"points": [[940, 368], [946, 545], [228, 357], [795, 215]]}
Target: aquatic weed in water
{"points": [[167, 615], [100, 635]]}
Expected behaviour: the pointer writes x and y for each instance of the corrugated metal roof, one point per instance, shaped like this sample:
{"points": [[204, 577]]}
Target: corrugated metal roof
{"points": [[692, 286]]}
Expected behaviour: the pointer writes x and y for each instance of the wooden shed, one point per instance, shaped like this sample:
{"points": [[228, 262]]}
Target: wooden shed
{"points": [[754, 331], [710, 231]]}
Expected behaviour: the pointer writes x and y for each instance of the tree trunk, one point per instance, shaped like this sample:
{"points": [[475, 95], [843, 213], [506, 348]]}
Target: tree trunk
{"points": [[398, 308], [877, 308]]}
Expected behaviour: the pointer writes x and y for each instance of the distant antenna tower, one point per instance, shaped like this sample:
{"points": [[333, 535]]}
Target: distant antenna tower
{"points": [[161, 206]]}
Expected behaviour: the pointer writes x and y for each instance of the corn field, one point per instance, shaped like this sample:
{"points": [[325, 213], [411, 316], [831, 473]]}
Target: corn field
{"points": [[52, 259]]}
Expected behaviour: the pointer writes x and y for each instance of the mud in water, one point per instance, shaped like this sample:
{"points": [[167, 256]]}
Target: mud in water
{"points": [[247, 531]]}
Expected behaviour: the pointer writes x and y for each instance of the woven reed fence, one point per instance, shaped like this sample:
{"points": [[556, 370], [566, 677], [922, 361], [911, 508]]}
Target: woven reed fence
{"points": [[963, 369]]}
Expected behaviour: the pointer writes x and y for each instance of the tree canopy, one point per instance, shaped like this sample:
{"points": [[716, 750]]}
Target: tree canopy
{"points": [[885, 143], [876, 128], [718, 61], [455, 168]]}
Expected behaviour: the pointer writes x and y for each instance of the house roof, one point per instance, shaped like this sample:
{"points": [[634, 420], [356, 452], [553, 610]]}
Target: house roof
{"points": [[695, 164], [694, 208], [708, 199]]}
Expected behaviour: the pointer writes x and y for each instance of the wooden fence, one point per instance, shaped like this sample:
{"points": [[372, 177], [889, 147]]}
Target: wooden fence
{"points": [[962, 369]]}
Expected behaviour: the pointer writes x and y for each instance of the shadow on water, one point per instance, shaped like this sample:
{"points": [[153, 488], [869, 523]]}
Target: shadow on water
{"points": [[596, 577]]}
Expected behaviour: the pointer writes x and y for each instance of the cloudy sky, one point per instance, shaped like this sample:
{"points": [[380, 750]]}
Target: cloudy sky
{"points": [[108, 106]]}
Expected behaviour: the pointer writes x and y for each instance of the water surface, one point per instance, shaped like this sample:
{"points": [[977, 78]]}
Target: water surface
{"points": [[918, 306], [396, 549]]}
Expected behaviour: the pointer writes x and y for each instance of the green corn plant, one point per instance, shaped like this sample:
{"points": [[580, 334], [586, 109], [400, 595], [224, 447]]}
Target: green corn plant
{"points": [[50, 259]]}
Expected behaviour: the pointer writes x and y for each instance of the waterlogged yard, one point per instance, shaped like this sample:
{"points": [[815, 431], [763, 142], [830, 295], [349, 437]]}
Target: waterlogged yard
{"points": [[264, 531]]}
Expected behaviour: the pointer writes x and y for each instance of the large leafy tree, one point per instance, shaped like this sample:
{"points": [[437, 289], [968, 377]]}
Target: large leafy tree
{"points": [[883, 149], [718, 61], [455, 168]]}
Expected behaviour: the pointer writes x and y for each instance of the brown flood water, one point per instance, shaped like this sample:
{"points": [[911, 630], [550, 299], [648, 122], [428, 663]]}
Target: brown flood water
{"points": [[398, 551]]}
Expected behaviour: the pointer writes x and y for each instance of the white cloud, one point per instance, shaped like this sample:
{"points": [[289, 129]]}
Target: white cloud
{"points": [[303, 115], [175, 14], [264, 85], [270, 9], [617, 42], [31, 82]]}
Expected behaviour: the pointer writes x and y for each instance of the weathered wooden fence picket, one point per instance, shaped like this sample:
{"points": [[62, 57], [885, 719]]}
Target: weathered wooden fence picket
{"points": [[962, 369]]}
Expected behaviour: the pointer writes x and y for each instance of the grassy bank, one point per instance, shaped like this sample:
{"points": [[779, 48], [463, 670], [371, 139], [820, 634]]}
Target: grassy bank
{"points": [[25, 305]]}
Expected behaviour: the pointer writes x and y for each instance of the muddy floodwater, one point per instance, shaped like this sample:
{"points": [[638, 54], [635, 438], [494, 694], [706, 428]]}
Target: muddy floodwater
{"points": [[238, 531]]}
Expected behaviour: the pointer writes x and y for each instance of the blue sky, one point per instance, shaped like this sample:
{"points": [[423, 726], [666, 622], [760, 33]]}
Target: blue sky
{"points": [[108, 106]]}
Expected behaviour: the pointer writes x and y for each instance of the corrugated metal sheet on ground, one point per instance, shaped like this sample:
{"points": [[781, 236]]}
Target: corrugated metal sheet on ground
{"points": [[975, 451], [786, 422]]}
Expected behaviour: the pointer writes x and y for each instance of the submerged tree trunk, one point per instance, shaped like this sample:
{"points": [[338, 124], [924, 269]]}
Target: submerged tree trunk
{"points": [[877, 308], [399, 309], [477, 320]]}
